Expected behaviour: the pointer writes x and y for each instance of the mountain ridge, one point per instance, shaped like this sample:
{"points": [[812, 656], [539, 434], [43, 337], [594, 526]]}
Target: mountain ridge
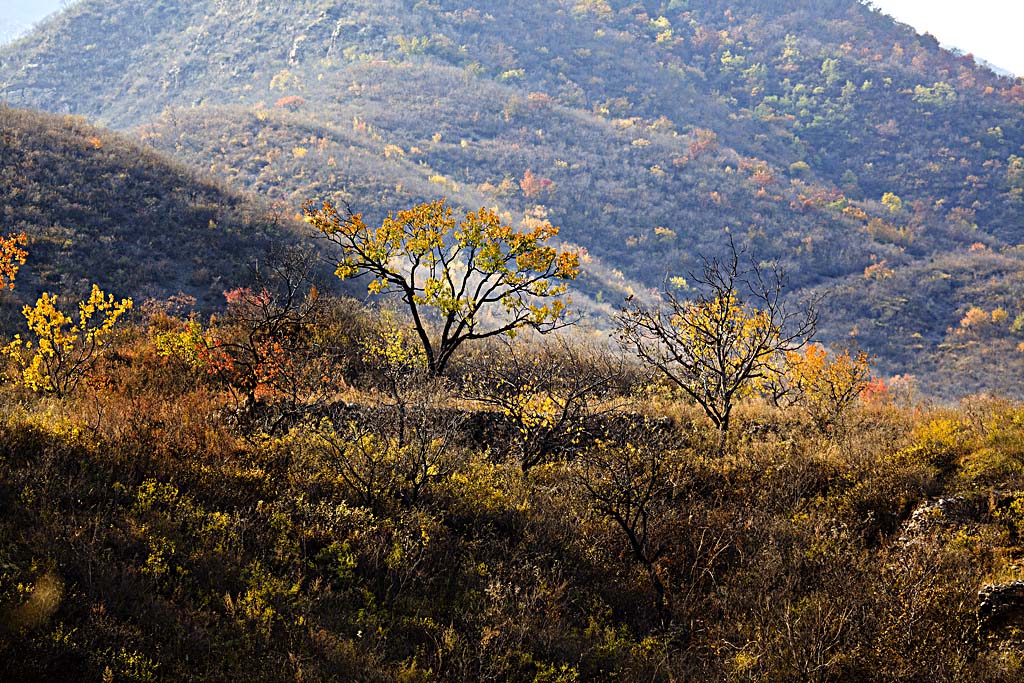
{"points": [[100, 208]]}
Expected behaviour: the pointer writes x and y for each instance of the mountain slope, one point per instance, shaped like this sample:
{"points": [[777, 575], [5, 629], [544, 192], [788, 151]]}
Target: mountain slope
{"points": [[99, 208], [647, 130]]}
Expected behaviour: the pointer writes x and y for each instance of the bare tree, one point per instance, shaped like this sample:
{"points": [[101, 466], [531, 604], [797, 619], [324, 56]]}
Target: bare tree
{"points": [[549, 393], [265, 342], [628, 483]]}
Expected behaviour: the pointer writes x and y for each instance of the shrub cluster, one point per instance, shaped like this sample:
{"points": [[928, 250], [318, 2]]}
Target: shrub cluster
{"points": [[544, 513]]}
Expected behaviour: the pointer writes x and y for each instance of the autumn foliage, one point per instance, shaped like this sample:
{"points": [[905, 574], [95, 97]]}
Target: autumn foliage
{"points": [[12, 257], [534, 185], [60, 348], [724, 344], [827, 384], [461, 280]]}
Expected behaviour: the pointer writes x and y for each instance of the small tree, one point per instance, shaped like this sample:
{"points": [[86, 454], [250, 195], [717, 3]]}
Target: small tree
{"points": [[12, 257], [720, 345], [481, 278], [824, 384], [629, 484], [550, 394], [396, 449], [265, 345], [62, 350]]}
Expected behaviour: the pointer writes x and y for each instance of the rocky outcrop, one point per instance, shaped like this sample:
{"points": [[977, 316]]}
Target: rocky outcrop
{"points": [[1001, 605], [940, 513]]}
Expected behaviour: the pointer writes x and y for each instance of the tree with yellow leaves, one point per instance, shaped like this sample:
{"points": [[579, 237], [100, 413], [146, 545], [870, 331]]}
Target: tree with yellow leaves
{"points": [[473, 279], [12, 257], [720, 346], [62, 350], [825, 384]]}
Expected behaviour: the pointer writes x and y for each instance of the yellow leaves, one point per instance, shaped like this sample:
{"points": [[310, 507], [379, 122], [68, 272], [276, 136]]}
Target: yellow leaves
{"points": [[600, 8], [422, 228], [568, 267], [391, 150], [826, 385], [63, 348], [892, 202], [392, 346], [975, 318], [879, 271], [665, 234], [537, 259], [534, 411], [184, 344], [723, 327], [455, 267], [437, 293], [345, 270], [482, 228], [429, 234], [551, 310], [938, 443], [12, 257]]}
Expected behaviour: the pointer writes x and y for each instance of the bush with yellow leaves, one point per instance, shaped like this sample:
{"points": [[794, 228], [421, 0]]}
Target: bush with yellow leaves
{"points": [[61, 351], [826, 385]]}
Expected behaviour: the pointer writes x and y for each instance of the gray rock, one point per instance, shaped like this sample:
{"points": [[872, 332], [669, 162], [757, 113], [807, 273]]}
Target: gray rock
{"points": [[1001, 605]]}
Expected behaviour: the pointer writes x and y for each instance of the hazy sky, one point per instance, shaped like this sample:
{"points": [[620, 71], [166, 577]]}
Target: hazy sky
{"points": [[990, 29], [17, 16]]}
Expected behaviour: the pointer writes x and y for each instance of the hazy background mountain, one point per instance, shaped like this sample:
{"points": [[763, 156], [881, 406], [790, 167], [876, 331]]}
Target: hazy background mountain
{"points": [[647, 130]]}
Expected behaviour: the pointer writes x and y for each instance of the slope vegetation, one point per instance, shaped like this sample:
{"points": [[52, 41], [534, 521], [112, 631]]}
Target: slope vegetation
{"points": [[871, 163], [100, 208]]}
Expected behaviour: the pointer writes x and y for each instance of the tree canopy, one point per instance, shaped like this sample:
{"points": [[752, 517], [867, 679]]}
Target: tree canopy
{"points": [[461, 280]]}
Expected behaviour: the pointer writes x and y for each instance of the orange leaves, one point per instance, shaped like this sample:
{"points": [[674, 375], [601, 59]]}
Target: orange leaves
{"points": [[704, 141], [826, 385], [974, 320], [534, 185], [291, 103], [879, 271], [568, 266], [12, 257]]}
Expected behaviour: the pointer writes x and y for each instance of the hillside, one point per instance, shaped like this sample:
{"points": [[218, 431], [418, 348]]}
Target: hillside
{"points": [[98, 207], [154, 531], [646, 130]]}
